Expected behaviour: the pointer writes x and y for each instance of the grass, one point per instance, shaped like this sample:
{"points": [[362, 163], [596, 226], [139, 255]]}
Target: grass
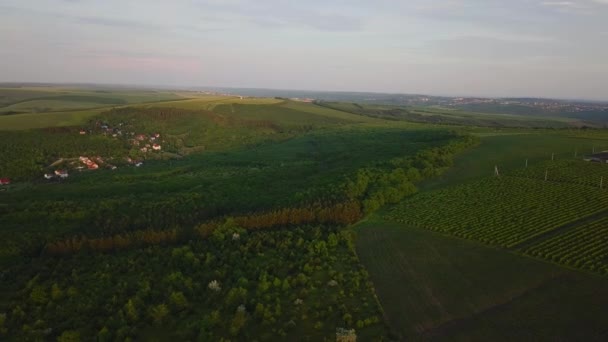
{"points": [[437, 287], [209, 102], [448, 116], [43, 120], [40, 107], [505, 211], [509, 151]]}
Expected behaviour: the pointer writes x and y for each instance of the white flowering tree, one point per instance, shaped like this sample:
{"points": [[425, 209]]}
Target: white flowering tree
{"points": [[215, 286]]}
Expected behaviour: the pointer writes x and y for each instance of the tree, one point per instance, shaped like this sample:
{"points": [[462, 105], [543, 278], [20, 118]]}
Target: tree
{"points": [[158, 313], [178, 300], [104, 335], [2, 321], [238, 321], [56, 293], [38, 295], [69, 336], [131, 310]]}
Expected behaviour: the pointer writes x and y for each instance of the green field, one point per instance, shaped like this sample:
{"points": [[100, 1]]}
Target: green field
{"points": [[449, 116], [505, 211], [54, 106], [311, 217], [509, 150], [442, 288]]}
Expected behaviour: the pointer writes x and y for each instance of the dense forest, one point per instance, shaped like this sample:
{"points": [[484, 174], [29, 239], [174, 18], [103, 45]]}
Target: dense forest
{"points": [[174, 204], [301, 283]]}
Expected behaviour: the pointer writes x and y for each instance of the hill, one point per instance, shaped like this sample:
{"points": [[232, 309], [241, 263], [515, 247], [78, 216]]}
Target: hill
{"points": [[211, 216]]}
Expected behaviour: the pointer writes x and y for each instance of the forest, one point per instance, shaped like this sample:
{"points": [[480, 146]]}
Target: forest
{"points": [[266, 285], [245, 238]]}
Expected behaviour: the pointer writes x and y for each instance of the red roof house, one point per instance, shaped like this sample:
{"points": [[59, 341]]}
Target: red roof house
{"points": [[5, 181]]}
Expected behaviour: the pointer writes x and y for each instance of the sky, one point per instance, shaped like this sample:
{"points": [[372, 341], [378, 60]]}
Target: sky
{"points": [[437, 47]]}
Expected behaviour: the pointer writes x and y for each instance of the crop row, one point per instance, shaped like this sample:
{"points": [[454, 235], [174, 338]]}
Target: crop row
{"points": [[585, 246], [503, 211], [567, 171]]}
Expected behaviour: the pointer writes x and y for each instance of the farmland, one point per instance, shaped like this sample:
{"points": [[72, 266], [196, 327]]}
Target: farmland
{"points": [[552, 210], [448, 116], [475, 257], [583, 247], [437, 287], [257, 194], [502, 211]]}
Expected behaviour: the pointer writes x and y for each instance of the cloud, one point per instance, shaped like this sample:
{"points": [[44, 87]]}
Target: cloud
{"points": [[574, 5], [113, 22], [280, 14]]}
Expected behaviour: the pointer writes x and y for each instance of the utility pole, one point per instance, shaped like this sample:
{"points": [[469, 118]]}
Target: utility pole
{"points": [[546, 174], [526, 163], [496, 173]]}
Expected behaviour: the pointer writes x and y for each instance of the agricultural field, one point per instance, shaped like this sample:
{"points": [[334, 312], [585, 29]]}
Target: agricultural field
{"points": [[450, 116], [510, 149], [552, 210], [567, 171], [503, 211], [52, 106], [56, 99], [442, 288], [584, 246]]}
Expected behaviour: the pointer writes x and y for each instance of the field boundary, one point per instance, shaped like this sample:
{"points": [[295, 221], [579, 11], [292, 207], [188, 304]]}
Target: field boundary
{"points": [[520, 247]]}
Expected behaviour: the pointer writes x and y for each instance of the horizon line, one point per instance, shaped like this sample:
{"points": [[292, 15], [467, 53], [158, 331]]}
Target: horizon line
{"points": [[193, 88]]}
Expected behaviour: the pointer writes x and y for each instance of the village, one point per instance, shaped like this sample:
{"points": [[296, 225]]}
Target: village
{"points": [[144, 144]]}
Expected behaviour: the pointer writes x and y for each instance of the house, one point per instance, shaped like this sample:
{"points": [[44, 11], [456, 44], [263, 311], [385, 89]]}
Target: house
{"points": [[62, 173], [92, 166], [140, 137], [601, 157], [156, 147], [83, 132], [138, 164], [5, 181], [144, 149], [49, 176]]}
